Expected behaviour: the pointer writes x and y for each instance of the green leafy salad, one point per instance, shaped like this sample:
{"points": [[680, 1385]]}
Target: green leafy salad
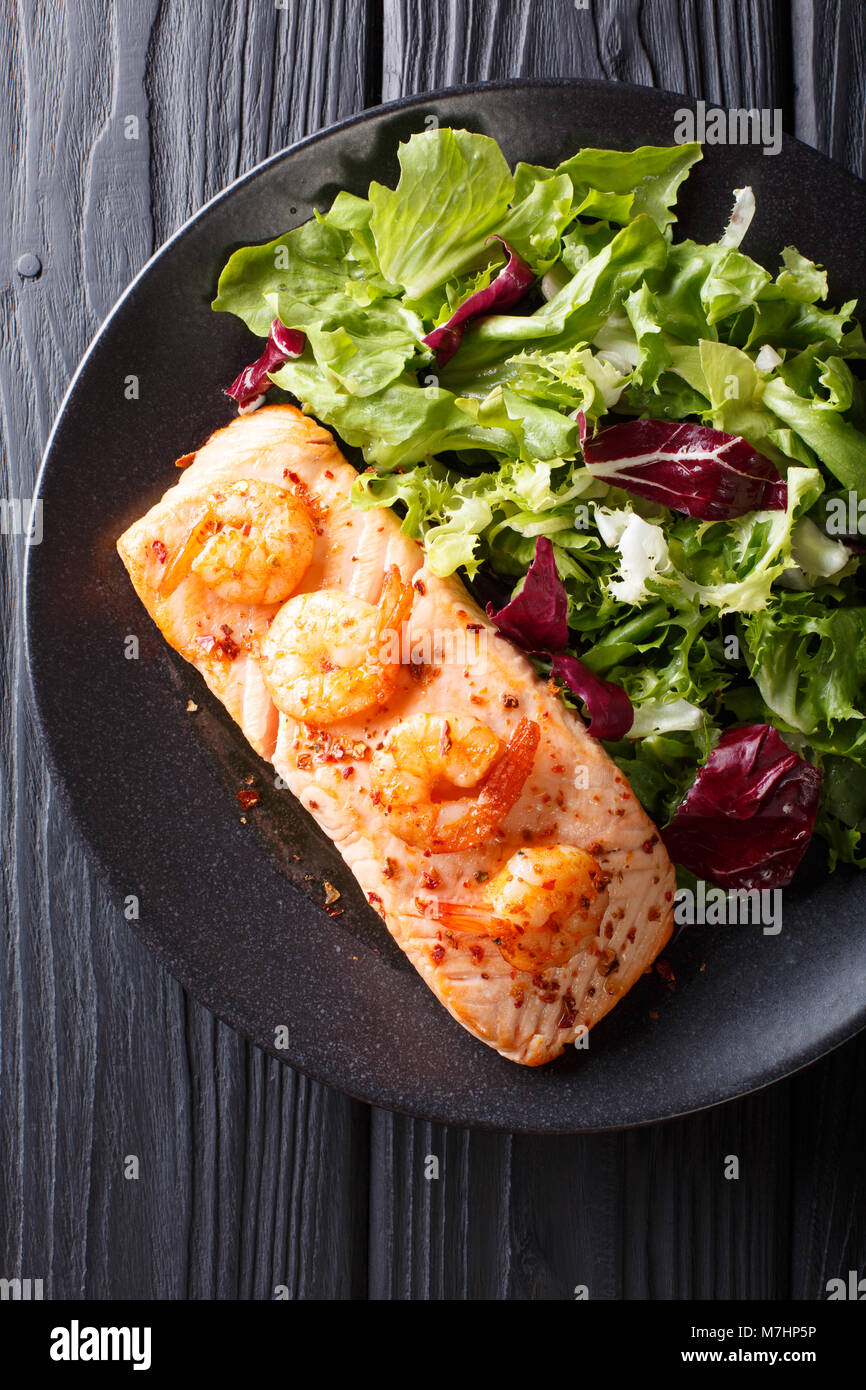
{"points": [[666, 437]]}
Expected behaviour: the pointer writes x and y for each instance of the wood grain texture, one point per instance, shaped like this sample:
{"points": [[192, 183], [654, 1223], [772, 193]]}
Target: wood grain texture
{"points": [[732, 53], [252, 1178], [830, 78], [649, 1214]]}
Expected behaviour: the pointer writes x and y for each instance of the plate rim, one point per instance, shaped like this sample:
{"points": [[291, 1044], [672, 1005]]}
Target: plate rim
{"points": [[211, 995]]}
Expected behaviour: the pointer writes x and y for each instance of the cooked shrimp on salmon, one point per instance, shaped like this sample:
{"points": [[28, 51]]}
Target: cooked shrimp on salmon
{"points": [[447, 781], [252, 543], [327, 655], [501, 846], [541, 908]]}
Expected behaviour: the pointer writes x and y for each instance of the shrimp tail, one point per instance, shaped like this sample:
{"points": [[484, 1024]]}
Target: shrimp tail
{"points": [[506, 933], [393, 609], [471, 918], [499, 793], [182, 560]]}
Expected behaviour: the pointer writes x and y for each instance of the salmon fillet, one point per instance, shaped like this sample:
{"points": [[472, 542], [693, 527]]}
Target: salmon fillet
{"points": [[452, 660]]}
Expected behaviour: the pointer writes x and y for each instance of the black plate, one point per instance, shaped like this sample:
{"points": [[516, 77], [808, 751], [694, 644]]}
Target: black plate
{"points": [[226, 905]]}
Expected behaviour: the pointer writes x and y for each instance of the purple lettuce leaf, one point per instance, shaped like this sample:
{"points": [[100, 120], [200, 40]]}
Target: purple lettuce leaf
{"points": [[749, 816], [504, 292], [689, 468], [283, 344], [611, 712], [537, 620]]}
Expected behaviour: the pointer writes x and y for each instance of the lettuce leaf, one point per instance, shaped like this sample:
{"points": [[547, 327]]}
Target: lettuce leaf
{"points": [[621, 185], [809, 661], [575, 314]]}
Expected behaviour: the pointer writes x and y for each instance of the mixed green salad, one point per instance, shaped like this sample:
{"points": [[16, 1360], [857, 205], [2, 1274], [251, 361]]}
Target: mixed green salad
{"points": [[491, 341]]}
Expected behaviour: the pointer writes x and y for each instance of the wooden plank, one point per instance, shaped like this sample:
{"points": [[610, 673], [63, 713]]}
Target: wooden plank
{"points": [[828, 1142], [735, 54], [250, 1177], [829, 1133], [648, 1214], [830, 78]]}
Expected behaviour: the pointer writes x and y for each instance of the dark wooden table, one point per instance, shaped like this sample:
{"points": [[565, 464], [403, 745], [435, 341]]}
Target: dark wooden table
{"points": [[251, 1176]]}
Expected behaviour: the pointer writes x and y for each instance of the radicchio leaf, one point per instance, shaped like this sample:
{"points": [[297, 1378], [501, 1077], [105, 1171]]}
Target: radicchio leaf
{"points": [[282, 345], [611, 712], [504, 292], [537, 620], [690, 468], [748, 818]]}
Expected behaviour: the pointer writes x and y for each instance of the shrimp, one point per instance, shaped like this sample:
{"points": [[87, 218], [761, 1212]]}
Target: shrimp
{"points": [[327, 655], [251, 543], [429, 759], [540, 909]]}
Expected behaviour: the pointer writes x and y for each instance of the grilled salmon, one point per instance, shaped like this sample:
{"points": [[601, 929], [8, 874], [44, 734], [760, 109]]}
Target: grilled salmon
{"points": [[500, 845]]}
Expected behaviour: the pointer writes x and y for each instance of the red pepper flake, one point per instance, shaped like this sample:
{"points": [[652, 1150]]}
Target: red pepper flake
{"points": [[437, 954], [305, 762], [224, 648], [304, 495], [376, 903], [159, 551], [474, 627], [184, 461], [419, 588], [477, 952], [346, 773], [653, 914], [248, 797], [510, 701], [569, 1011], [665, 970], [329, 474], [649, 845], [390, 868], [430, 878]]}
